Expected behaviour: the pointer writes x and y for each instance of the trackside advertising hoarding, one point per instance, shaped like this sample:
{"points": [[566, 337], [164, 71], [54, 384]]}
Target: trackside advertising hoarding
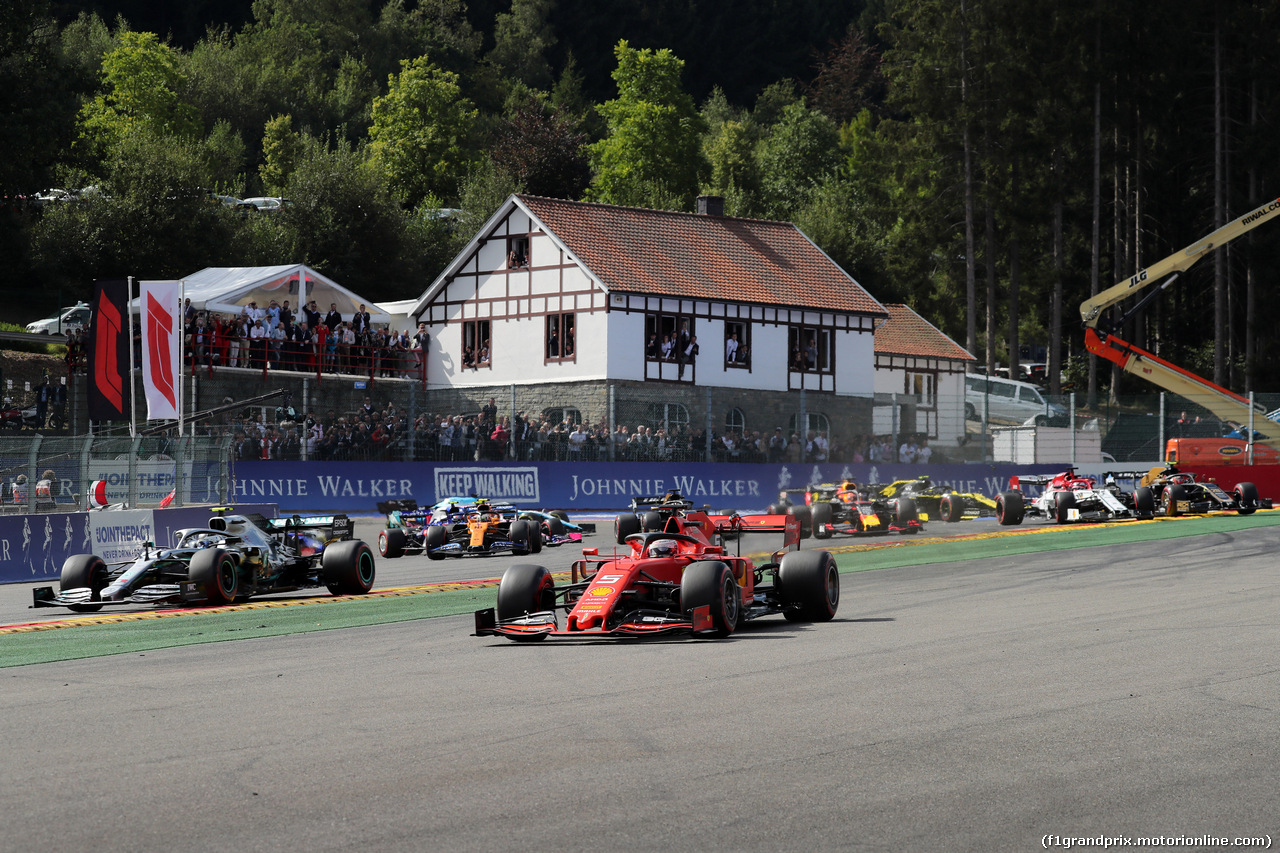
{"points": [[358, 487]]}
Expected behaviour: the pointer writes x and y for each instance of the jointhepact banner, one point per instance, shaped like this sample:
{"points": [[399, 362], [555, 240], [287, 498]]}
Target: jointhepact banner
{"points": [[161, 318]]}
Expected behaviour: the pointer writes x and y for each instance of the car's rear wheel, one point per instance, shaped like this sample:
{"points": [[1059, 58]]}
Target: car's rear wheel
{"points": [[710, 583], [950, 508], [348, 567], [779, 508], [1065, 502], [1246, 495], [391, 543], [809, 586], [1144, 502], [560, 514], [805, 517], [524, 589], [1172, 495], [84, 570], [822, 520], [651, 522], [216, 572], [627, 524], [1009, 508], [434, 537]]}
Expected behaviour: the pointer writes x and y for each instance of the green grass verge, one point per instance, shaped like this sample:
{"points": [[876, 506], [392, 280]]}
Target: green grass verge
{"points": [[88, 641]]}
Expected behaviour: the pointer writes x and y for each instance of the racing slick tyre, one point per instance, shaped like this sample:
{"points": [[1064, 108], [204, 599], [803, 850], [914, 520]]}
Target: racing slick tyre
{"points": [[391, 543], [347, 567], [780, 508], [651, 522], [627, 524], [434, 537], [907, 513], [1009, 508], [216, 571], [560, 514], [523, 589], [950, 508], [521, 534], [711, 583], [1062, 507], [555, 526], [821, 517], [1144, 503], [805, 518], [84, 570], [1174, 493], [1246, 495], [809, 586]]}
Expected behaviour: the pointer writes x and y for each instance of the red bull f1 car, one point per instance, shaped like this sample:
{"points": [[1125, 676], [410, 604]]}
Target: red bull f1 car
{"points": [[670, 581], [847, 509], [234, 558]]}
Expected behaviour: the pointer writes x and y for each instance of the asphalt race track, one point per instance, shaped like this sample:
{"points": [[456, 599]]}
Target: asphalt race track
{"points": [[1125, 691]]}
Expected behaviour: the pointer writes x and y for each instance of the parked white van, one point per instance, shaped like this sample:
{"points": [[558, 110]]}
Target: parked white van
{"points": [[1007, 400]]}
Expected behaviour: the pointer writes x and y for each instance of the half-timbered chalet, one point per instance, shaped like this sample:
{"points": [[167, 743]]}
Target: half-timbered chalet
{"points": [[920, 371], [561, 291]]}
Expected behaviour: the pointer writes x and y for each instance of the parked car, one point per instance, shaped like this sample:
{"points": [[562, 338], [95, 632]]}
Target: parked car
{"points": [[63, 321], [1008, 399], [264, 204]]}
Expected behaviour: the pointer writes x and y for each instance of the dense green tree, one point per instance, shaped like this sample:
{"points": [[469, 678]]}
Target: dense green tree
{"points": [[142, 90], [800, 151], [522, 38], [421, 133], [282, 148], [652, 156]]}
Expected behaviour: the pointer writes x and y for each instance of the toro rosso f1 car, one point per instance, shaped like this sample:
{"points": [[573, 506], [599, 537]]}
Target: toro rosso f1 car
{"points": [[667, 582], [234, 558]]}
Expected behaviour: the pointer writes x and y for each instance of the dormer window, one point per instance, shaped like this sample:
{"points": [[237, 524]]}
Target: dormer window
{"points": [[517, 252]]}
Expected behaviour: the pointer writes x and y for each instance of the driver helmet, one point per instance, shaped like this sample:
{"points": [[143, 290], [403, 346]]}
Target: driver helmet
{"points": [[663, 548], [207, 542]]}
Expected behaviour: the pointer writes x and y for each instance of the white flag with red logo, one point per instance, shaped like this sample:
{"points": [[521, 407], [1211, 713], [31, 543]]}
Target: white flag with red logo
{"points": [[161, 318]]}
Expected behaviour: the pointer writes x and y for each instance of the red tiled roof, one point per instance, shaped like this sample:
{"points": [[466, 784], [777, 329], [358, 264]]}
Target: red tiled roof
{"points": [[907, 333], [634, 250]]}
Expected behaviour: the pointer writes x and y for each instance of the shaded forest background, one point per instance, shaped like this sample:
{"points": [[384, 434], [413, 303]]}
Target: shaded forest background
{"points": [[988, 162]]}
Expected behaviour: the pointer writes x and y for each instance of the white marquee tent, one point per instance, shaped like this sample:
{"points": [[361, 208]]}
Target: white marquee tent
{"points": [[226, 290]]}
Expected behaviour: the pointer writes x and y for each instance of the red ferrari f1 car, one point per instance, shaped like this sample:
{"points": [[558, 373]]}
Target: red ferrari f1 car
{"points": [[670, 581]]}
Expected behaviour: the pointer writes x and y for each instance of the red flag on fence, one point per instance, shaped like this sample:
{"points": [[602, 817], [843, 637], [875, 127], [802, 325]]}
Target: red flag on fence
{"points": [[109, 351]]}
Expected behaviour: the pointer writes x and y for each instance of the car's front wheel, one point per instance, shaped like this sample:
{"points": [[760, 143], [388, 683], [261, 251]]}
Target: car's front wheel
{"points": [[1246, 495], [710, 583], [1066, 501], [809, 586], [84, 570], [435, 537], [822, 520], [950, 508], [391, 542], [524, 589], [1010, 508], [215, 570]]}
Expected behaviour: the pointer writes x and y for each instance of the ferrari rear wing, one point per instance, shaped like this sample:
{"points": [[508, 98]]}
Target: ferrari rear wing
{"points": [[787, 525]]}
